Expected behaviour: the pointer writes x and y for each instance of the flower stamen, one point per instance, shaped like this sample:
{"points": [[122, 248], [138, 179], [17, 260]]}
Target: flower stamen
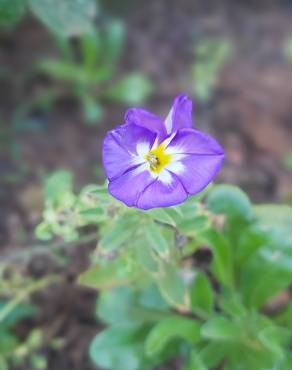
{"points": [[157, 158]]}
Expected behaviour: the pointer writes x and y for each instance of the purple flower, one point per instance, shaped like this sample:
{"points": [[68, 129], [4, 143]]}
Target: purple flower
{"points": [[154, 163]]}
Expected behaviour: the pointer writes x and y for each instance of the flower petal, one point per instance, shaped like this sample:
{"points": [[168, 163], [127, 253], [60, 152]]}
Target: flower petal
{"points": [[128, 187], [180, 115], [197, 171], [165, 191], [123, 149], [190, 141], [150, 121]]}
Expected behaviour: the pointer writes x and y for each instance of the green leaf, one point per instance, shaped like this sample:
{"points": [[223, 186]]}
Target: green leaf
{"points": [[213, 353], [19, 313], [249, 243], [58, 184], [222, 263], [194, 219], [275, 216], [155, 238], [171, 328], [145, 256], [11, 11], [162, 215], [133, 89], [172, 286], [120, 347], [288, 362], [91, 48], [66, 17], [220, 328], [108, 301], [64, 71], [93, 111], [195, 363], [231, 201], [43, 231], [8, 343], [118, 232], [274, 338], [113, 40], [114, 273], [268, 271], [133, 306], [201, 293]]}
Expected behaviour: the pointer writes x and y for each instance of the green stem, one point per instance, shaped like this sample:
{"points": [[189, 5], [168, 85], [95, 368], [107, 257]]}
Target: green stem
{"points": [[24, 294], [44, 249]]}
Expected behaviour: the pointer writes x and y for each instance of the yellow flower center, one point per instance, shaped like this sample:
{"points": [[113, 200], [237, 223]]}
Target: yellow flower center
{"points": [[158, 158]]}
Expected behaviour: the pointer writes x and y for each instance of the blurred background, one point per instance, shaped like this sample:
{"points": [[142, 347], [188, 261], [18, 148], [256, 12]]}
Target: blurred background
{"points": [[67, 75]]}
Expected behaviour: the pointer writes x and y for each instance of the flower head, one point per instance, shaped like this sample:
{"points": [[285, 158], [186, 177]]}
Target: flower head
{"points": [[154, 163]]}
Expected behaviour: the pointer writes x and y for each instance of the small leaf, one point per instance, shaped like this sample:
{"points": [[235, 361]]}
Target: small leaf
{"points": [[11, 11], [57, 184], [43, 231], [172, 286], [146, 256], [201, 293], [162, 215], [118, 232], [113, 40], [19, 313], [220, 328], [195, 363], [275, 216], [114, 273], [93, 111], [107, 303], [133, 306], [222, 263], [274, 338], [171, 328], [64, 71], [231, 201], [119, 348], [91, 48], [133, 89], [66, 17], [213, 353], [155, 238]]}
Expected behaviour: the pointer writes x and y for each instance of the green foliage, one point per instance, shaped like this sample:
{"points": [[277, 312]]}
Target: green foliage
{"points": [[130, 90], [15, 290], [65, 17], [62, 17], [202, 295], [159, 301], [210, 56], [13, 351], [11, 11], [169, 328], [91, 76]]}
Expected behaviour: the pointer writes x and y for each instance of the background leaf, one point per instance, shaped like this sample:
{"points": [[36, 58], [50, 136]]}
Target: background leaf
{"points": [[120, 348], [66, 17], [169, 329], [11, 11], [106, 276], [231, 201], [133, 89], [155, 238], [201, 293]]}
